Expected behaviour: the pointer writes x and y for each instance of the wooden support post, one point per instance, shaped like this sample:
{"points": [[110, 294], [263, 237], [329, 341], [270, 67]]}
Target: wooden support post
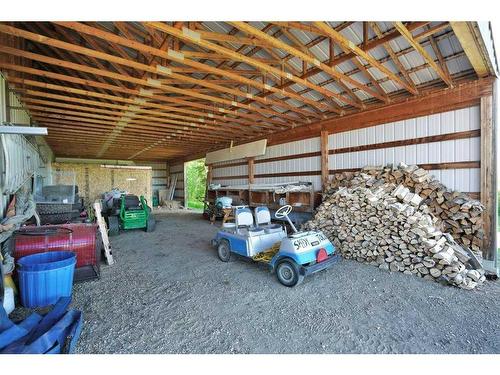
{"points": [[209, 174], [251, 170], [209, 181], [7, 100], [488, 177], [324, 159]]}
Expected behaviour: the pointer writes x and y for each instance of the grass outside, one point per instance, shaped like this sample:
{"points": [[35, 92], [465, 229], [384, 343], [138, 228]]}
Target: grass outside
{"points": [[195, 205]]}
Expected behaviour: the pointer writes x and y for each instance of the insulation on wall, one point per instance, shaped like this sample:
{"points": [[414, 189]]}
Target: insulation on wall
{"points": [[93, 180]]}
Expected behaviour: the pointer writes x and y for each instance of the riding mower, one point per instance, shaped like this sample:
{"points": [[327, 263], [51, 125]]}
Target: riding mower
{"points": [[291, 256], [129, 212]]}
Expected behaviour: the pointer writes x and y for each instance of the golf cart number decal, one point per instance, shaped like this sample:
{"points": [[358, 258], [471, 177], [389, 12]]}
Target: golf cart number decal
{"points": [[321, 237], [301, 243]]}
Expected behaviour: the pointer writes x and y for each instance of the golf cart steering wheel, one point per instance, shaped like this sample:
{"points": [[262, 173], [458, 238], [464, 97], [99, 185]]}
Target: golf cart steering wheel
{"points": [[283, 211]]}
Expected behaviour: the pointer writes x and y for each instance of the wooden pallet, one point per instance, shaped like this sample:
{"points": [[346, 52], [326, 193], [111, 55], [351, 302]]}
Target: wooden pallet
{"points": [[104, 232]]}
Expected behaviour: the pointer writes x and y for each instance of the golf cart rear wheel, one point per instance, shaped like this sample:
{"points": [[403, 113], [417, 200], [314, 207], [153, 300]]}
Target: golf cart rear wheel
{"points": [[288, 274], [151, 224], [224, 251], [113, 225]]}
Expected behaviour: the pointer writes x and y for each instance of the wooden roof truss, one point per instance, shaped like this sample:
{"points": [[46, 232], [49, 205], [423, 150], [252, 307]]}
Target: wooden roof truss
{"points": [[163, 90]]}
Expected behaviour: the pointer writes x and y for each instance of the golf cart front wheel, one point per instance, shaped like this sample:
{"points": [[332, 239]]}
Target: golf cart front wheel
{"points": [[288, 274], [224, 251]]}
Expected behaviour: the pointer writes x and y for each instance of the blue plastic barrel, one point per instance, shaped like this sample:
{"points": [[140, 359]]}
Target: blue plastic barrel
{"points": [[45, 277]]}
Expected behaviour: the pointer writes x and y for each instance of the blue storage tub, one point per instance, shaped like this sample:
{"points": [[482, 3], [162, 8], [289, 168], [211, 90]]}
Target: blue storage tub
{"points": [[45, 277]]}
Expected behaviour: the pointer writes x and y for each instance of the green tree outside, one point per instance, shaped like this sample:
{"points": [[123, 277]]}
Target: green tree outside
{"points": [[196, 178]]}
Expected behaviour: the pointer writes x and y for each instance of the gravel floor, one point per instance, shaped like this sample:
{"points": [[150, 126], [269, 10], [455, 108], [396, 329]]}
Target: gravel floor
{"points": [[169, 293]]}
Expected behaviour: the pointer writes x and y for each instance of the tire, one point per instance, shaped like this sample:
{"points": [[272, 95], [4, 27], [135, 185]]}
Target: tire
{"points": [[151, 224], [59, 218], [288, 274], [113, 226], [53, 208], [224, 250]]}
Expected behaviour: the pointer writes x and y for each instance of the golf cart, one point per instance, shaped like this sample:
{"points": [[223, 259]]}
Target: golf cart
{"points": [[130, 212], [291, 257]]}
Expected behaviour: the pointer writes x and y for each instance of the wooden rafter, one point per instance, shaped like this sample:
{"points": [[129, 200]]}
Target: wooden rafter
{"points": [[310, 59], [415, 44], [194, 38], [394, 57], [347, 44], [183, 59], [145, 83], [134, 91], [147, 68], [206, 112]]}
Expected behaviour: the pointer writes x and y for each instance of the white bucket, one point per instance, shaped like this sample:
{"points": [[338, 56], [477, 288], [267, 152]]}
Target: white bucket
{"points": [[8, 300]]}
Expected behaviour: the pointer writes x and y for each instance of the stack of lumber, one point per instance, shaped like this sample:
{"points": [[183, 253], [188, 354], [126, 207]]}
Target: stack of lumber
{"points": [[456, 212], [385, 224]]}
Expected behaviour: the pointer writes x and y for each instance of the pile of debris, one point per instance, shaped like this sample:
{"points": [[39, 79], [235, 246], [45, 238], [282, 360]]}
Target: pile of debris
{"points": [[373, 220], [456, 212]]}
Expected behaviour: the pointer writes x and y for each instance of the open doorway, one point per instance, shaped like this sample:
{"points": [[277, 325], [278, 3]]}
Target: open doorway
{"points": [[195, 184]]}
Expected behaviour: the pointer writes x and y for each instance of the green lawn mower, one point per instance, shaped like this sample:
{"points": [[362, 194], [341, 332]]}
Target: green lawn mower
{"points": [[130, 212]]}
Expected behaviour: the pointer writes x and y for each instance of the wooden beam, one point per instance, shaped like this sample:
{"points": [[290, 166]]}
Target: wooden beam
{"points": [[461, 96], [345, 57], [184, 59], [488, 177], [324, 159], [157, 70], [155, 85], [441, 60], [206, 112], [209, 174], [193, 37], [416, 45], [349, 45], [464, 31], [306, 57], [394, 57], [251, 170], [186, 120]]}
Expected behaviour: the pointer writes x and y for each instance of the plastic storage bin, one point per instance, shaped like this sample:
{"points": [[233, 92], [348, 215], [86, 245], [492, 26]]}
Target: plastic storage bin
{"points": [[45, 277]]}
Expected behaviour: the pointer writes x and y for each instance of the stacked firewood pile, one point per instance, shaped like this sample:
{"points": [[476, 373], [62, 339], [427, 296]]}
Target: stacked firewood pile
{"points": [[456, 212], [373, 220]]}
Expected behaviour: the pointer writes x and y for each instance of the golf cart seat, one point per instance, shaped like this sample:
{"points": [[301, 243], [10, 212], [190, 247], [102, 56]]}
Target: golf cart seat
{"points": [[263, 220], [244, 222]]}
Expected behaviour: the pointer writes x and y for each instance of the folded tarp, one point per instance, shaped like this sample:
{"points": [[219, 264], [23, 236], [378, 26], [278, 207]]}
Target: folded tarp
{"points": [[54, 333]]}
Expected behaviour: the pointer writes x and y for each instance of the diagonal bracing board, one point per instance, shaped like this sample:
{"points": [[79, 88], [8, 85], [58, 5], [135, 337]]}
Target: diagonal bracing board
{"points": [[104, 232], [171, 189]]}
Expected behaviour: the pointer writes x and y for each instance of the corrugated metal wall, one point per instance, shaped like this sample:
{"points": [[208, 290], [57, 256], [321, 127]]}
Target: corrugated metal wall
{"points": [[158, 176], [42, 152], [303, 164], [427, 152], [17, 116], [234, 172], [452, 151]]}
